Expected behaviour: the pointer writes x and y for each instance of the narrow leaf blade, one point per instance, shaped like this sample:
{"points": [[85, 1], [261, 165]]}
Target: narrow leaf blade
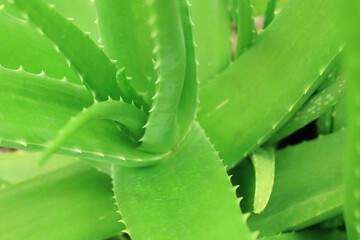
{"points": [[245, 26], [170, 66], [87, 59], [263, 160], [269, 13]]}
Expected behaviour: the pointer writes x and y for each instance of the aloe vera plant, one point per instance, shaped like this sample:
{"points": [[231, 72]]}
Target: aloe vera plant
{"points": [[154, 109]]}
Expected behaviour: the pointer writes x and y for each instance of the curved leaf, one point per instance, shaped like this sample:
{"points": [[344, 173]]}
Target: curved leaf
{"points": [[269, 13], [94, 68], [263, 160], [34, 107], [188, 195], [189, 96], [170, 65], [125, 35], [120, 112], [305, 55], [22, 45], [308, 186]]}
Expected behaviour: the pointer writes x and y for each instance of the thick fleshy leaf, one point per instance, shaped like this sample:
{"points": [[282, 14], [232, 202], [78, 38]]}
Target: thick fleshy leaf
{"points": [[263, 160], [35, 107], [316, 106], [213, 35], [19, 166], [349, 24], [308, 186], [336, 222], [189, 96], [269, 13], [260, 6], [22, 45], [245, 26], [125, 34], [94, 68], [83, 13], [74, 202], [324, 122], [128, 116], [340, 115], [310, 235], [188, 195], [304, 54], [170, 65]]}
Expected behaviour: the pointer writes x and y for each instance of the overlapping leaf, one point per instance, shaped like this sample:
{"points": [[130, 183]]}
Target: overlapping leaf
{"points": [[73, 202], [213, 35], [181, 197], [227, 111], [308, 186], [311, 110], [40, 106]]}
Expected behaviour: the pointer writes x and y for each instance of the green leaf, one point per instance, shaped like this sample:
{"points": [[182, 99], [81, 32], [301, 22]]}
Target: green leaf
{"points": [[125, 35], [189, 96], [213, 34], [37, 53], [270, 12], [120, 112], [339, 115], [73, 202], [19, 166], [35, 107], [245, 26], [260, 6], [324, 122], [3, 184], [332, 223], [302, 56], [317, 105], [308, 186], [309, 235], [188, 195], [170, 65], [94, 68], [263, 160], [82, 11], [349, 29]]}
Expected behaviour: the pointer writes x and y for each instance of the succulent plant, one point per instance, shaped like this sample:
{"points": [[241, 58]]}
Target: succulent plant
{"points": [[157, 114]]}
